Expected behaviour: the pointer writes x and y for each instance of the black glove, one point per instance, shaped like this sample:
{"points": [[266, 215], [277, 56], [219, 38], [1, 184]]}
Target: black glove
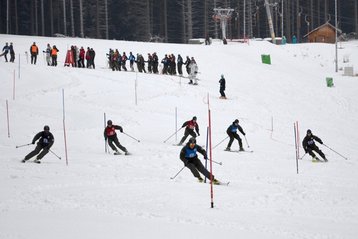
{"points": [[121, 130], [321, 142], [198, 134], [33, 142], [244, 134], [306, 151]]}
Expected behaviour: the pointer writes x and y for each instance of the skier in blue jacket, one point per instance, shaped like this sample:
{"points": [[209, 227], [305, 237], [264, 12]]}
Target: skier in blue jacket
{"points": [[188, 155], [232, 132]]}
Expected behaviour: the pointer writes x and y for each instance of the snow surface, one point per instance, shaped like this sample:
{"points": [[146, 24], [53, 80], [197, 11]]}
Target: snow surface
{"points": [[99, 195]]}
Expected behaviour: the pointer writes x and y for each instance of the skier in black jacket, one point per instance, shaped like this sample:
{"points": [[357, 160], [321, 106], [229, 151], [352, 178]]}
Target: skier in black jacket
{"points": [[111, 135], [188, 155], [46, 141], [310, 146], [232, 132]]}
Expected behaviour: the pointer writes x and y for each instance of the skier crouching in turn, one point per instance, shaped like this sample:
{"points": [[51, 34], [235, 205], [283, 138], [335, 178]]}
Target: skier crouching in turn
{"points": [[46, 140], [188, 155], [189, 130], [232, 132], [310, 146], [111, 135]]}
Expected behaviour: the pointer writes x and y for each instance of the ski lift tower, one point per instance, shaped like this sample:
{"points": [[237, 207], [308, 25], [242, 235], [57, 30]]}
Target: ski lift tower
{"points": [[222, 15]]}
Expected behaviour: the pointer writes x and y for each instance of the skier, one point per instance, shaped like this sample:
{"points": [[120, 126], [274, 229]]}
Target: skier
{"points": [[310, 146], [189, 130], [232, 132], [222, 87], [131, 59], [45, 142], [188, 155], [34, 51], [5, 50], [111, 135]]}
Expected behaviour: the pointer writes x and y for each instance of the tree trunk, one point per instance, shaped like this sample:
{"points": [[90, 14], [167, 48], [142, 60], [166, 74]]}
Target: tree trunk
{"points": [[81, 20]]}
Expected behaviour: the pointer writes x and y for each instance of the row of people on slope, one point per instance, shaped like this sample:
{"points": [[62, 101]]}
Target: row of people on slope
{"points": [[188, 154]]}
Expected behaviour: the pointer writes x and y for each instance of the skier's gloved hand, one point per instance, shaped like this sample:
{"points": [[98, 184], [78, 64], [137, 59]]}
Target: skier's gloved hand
{"points": [[33, 142], [244, 134], [198, 134], [121, 130], [321, 142]]}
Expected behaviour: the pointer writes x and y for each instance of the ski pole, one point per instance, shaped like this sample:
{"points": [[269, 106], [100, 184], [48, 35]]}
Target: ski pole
{"points": [[220, 142], [336, 152], [172, 135], [303, 156], [220, 163], [54, 154], [247, 142], [178, 173], [19, 146], [131, 137]]}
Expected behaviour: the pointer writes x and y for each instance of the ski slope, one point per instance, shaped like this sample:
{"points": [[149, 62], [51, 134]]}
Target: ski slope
{"points": [[99, 195]]}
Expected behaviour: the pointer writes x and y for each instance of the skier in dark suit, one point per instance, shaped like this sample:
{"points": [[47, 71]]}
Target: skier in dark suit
{"points": [[232, 132], [309, 145]]}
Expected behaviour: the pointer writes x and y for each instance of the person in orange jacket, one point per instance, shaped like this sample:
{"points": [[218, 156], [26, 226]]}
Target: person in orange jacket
{"points": [[34, 51], [54, 51]]}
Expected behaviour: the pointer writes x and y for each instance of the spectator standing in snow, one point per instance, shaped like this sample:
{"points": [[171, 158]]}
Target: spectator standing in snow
{"points": [[111, 135], [131, 59], [81, 56], [155, 63], [34, 51], [309, 146], [5, 50], [45, 142], [188, 155], [222, 87], [54, 52], [12, 52], [193, 72], [232, 132], [190, 125], [180, 65], [187, 64], [48, 54]]}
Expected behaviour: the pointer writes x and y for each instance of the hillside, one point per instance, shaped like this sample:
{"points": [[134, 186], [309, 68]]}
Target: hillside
{"points": [[99, 195]]}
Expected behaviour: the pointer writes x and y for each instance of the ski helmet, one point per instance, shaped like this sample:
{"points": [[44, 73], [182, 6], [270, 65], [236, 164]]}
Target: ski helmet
{"points": [[109, 122], [192, 140], [194, 118], [236, 121], [222, 75], [309, 131], [46, 127]]}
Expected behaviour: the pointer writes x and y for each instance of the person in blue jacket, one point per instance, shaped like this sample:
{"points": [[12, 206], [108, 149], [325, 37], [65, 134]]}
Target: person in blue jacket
{"points": [[232, 132], [189, 156], [5, 51]]}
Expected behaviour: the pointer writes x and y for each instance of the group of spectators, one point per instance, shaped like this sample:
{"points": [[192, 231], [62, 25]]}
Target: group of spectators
{"points": [[76, 57], [171, 64]]}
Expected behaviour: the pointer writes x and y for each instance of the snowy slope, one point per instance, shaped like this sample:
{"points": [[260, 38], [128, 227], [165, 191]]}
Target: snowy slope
{"points": [[98, 195]]}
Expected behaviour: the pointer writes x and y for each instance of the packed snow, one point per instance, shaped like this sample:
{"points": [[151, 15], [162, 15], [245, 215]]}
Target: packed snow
{"points": [[91, 194]]}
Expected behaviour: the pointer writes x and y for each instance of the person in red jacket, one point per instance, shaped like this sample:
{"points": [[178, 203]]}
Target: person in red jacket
{"points": [[191, 125], [81, 60], [111, 135]]}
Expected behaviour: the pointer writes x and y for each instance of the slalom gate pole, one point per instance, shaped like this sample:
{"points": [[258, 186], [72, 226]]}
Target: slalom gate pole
{"points": [[105, 141], [211, 161], [298, 140], [8, 120], [220, 142], [13, 87], [336, 152], [54, 154], [294, 129], [172, 135], [19, 67], [64, 127], [246, 141], [131, 137], [207, 138], [19, 146], [178, 173]]}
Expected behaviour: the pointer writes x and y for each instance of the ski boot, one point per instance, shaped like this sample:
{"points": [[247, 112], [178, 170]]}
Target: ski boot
{"points": [[241, 149], [37, 161], [216, 182], [116, 153], [23, 161], [227, 149], [126, 153], [200, 179]]}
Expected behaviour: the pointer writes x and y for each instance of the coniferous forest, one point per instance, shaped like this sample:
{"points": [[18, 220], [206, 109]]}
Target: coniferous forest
{"points": [[174, 21]]}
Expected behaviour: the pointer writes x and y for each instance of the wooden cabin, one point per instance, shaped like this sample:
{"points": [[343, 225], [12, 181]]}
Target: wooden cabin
{"points": [[325, 33]]}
